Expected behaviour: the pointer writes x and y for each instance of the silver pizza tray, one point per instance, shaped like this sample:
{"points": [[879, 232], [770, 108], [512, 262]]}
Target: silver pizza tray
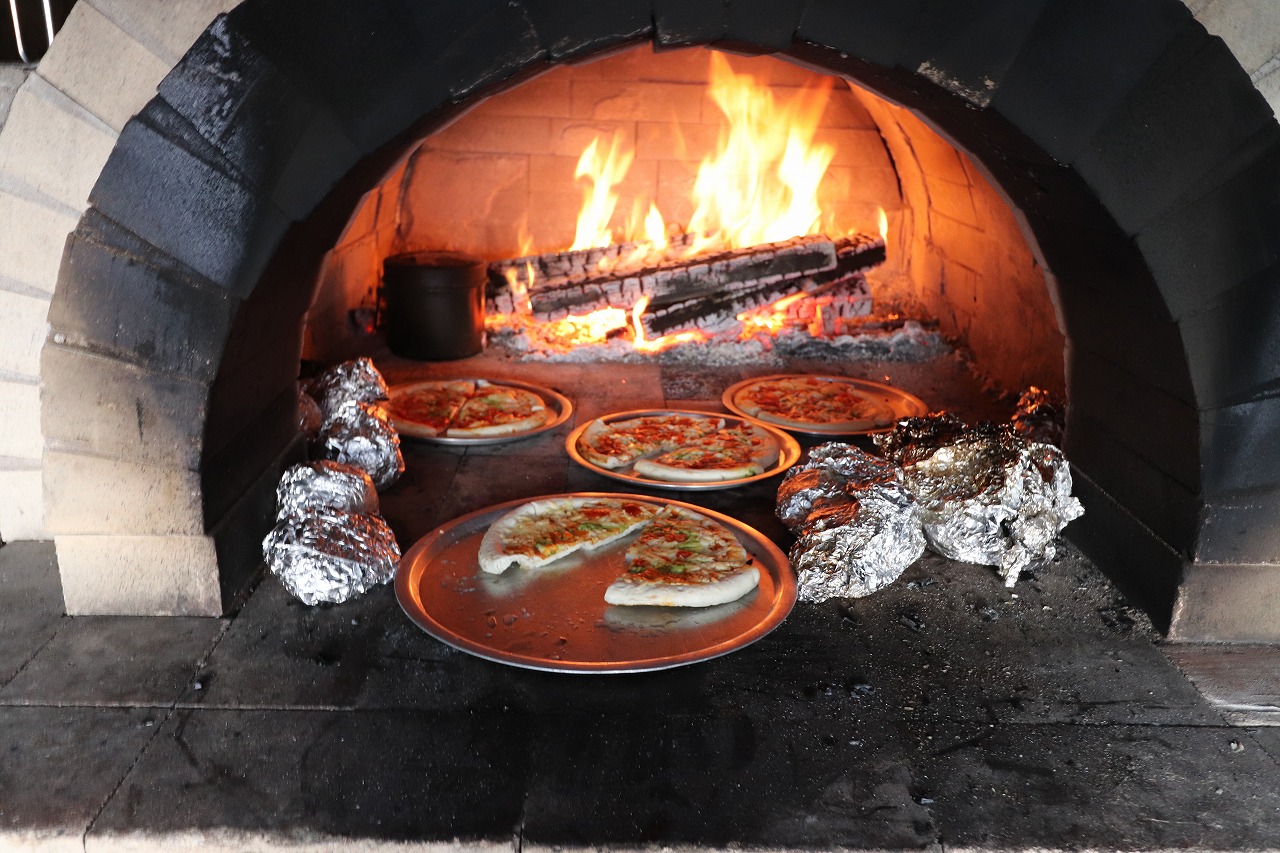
{"points": [[558, 404], [788, 451], [900, 403], [555, 618]]}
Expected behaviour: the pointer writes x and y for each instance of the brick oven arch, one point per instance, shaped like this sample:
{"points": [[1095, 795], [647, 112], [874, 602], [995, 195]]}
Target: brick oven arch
{"points": [[1137, 151]]}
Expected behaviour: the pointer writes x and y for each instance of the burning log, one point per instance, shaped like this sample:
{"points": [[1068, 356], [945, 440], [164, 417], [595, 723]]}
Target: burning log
{"points": [[685, 279], [717, 311]]}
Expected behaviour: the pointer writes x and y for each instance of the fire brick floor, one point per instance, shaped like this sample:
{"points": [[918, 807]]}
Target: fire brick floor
{"points": [[944, 712]]}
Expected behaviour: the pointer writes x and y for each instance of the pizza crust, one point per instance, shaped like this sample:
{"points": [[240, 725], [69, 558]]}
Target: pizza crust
{"points": [[628, 591], [500, 546], [466, 409]]}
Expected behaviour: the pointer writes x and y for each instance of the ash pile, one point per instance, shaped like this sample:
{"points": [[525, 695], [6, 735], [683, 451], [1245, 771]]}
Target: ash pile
{"points": [[989, 494], [329, 542]]}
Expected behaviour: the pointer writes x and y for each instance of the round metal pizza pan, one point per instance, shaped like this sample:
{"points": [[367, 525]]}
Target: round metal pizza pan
{"points": [[788, 452], [902, 404], [555, 618], [558, 404]]}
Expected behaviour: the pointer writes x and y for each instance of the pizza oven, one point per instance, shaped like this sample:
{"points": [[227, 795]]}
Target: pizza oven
{"points": [[1063, 197]]}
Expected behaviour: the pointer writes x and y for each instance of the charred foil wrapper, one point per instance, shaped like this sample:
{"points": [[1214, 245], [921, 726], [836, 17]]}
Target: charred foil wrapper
{"points": [[827, 476], [1038, 417], [987, 494], [351, 381], [331, 556], [358, 434], [312, 486], [852, 548]]}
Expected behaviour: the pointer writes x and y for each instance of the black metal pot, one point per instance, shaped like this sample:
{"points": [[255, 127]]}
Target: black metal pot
{"points": [[435, 305]]}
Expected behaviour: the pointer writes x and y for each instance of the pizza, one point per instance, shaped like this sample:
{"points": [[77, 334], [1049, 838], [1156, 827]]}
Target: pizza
{"points": [[541, 532], [617, 444], [683, 559], [813, 402], [464, 408], [679, 447], [680, 558], [728, 454]]}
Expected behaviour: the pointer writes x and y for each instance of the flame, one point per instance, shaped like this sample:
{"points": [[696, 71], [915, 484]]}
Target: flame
{"points": [[604, 172], [643, 344], [771, 319], [761, 186], [882, 223]]}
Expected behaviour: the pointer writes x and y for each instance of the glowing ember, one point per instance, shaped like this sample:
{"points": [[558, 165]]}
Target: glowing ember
{"points": [[642, 344]]}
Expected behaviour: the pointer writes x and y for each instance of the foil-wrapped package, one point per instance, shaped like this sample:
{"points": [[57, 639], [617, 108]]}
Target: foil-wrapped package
{"points": [[311, 486], [310, 418], [331, 555], [853, 548], [358, 434], [351, 381], [1038, 417], [987, 495], [828, 474]]}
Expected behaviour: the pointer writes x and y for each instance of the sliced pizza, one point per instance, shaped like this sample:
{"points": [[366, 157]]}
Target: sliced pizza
{"points": [[803, 402], [497, 410], [729, 454], [427, 408], [683, 559], [620, 443], [541, 532], [464, 408]]}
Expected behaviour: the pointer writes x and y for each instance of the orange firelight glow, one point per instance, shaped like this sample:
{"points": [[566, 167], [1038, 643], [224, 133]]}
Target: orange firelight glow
{"points": [[760, 185], [643, 344]]}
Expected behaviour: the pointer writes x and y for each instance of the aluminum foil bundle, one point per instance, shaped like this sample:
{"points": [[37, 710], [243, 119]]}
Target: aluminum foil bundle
{"points": [[987, 495], [827, 476], [852, 548], [356, 380], [331, 555], [310, 418], [358, 434], [1038, 417], [856, 524], [312, 486]]}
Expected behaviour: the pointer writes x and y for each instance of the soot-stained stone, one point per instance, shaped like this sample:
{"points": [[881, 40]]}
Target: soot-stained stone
{"points": [[871, 30], [103, 407], [1148, 348], [685, 22], [151, 316], [1165, 505], [1109, 787], [762, 25], [1144, 567], [1241, 446], [238, 534], [1234, 347], [1170, 132], [377, 776], [1240, 528], [1131, 407], [227, 471], [967, 46], [247, 386], [276, 136], [693, 781], [1079, 63], [572, 28], [382, 66], [1101, 259], [196, 213], [1201, 251]]}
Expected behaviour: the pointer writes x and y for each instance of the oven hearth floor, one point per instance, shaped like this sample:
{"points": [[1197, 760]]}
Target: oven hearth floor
{"points": [[944, 712]]}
